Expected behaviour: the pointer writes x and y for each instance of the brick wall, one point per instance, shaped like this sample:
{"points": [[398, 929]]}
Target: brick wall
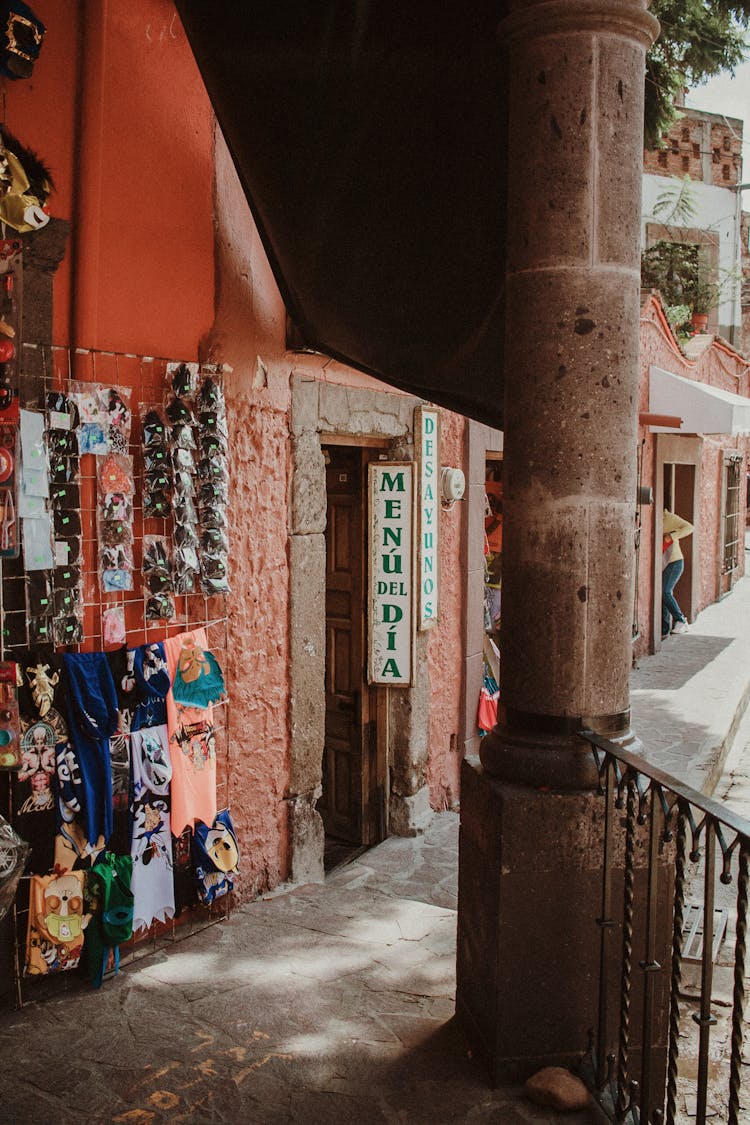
{"points": [[705, 146]]}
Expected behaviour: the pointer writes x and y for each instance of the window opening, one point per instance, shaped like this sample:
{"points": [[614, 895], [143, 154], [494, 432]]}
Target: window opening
{"points": [[731, 517]]}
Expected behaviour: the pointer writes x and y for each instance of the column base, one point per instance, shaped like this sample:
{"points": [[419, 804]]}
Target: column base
{"points": [[529, 896], [546, 751]]}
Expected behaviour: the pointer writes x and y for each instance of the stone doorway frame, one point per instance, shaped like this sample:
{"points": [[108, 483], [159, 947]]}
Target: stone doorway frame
{"points": [[321, 412]]}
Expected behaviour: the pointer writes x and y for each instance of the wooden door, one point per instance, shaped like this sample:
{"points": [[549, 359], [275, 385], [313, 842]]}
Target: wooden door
{"points": [[347, 804]]}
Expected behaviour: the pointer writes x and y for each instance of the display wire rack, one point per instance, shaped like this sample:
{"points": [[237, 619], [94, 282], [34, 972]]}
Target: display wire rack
{"points": [[47, 368]]}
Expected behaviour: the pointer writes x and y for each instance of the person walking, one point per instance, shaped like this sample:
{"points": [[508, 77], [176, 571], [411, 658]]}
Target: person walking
{"points": [[674, 528]]}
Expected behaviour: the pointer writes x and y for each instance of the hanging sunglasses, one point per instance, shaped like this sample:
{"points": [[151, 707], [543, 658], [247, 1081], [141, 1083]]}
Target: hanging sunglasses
{"points": [[215, 585], [62, 443], [59, 404], [156, 556], [184, 582], [182, 437], [156, 506], [184, 511], [178, 411], [214, 566], [185, 535], [66, 577], [158, 479], [40, 630], [68, 630], [214, 541], [154, 430], [184, 485], [210, 396], [213, 443], [183, 380], [160, 607], [211, 423], [213, 468], [63, 469], [213, 518], [66, 496], [158, 582], [66, 523], [66, 601]]}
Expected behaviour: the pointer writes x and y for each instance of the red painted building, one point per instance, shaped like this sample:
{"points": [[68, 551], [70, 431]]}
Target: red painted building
{"points": [[151, 256]]}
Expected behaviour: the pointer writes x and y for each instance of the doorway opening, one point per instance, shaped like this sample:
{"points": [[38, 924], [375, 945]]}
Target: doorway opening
{"points": [[353, 802]]}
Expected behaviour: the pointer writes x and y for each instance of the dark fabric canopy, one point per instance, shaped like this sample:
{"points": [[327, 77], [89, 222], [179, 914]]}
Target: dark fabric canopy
{"points": [[369, 137]]}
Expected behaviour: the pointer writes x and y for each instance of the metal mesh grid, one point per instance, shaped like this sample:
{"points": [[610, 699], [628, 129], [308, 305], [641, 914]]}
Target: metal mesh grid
{"points": [[48, 368]]}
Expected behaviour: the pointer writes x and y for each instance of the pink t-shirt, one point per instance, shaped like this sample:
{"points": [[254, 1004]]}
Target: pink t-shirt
{"points": [[192, 748]]}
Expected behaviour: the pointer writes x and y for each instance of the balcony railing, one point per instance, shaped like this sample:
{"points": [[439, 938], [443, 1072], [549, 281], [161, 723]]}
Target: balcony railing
{"points": [[668, 850]]}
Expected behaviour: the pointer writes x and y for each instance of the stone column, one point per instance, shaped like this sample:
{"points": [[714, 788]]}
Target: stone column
{"points": [[529, 874]]}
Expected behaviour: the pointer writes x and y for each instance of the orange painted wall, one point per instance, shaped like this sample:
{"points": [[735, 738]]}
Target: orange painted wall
{"points": [[138, 275]]}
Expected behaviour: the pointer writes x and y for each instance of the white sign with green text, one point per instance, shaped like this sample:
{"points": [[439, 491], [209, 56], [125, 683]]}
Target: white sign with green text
{"points": [[427, 437], [391, 602]]}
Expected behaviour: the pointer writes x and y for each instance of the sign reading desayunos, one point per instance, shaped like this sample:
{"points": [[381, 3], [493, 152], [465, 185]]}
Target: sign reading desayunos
{"points": [[427, 436], [391, 602]]}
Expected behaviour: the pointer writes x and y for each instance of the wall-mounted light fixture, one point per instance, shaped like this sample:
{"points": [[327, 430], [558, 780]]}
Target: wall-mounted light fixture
{"points": [[452, 486]]}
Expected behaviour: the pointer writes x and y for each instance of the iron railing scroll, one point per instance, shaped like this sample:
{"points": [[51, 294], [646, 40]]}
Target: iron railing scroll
{"points": [[669, 847]]}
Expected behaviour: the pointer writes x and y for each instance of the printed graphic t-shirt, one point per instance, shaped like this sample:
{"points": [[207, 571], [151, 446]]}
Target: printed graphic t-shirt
{"points": [[192, 748]]}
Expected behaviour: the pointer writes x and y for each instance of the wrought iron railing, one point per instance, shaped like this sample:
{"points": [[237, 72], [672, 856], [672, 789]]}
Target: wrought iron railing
{"points": [[644, 1065]]}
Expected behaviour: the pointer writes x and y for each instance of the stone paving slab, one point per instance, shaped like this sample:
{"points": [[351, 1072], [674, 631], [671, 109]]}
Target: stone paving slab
{"points": [[687, 700], [320, 1004]]}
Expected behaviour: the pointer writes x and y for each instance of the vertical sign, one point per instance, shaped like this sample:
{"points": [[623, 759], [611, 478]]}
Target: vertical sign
{"points": [[391, 613], [427, 439]]}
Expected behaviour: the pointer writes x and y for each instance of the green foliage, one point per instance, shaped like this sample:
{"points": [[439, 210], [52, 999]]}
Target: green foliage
{"points": [[699, 38], [676, 204], [683, 276]]}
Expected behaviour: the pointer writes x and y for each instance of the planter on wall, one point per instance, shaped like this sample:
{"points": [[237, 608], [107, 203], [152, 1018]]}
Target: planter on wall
{"points": [[699, 321]]}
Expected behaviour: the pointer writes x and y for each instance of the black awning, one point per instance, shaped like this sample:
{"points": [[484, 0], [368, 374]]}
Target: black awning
{"points": [[369, 137]]}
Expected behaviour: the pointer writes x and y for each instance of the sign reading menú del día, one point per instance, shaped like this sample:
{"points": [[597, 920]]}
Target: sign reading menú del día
{"points": [[391, 613], [427, 435]]}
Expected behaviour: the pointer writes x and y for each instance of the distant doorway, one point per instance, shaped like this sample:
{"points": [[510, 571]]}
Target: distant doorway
{"points": [[352, 804], [679, 497]]}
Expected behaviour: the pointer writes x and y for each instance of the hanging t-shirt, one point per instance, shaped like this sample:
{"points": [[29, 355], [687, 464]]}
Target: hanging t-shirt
{"points": [[192, 747], [33, 788], [151, 847], [92, 720], [42, 728]]}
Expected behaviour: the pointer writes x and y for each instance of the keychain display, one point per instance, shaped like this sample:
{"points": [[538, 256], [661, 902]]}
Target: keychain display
{"points": [[158, 578], [182, 448], [116, 487], [63, 418], [158, 484], [213, 492]]}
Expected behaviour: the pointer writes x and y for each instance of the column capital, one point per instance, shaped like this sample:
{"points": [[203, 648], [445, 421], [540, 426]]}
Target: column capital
{"points": [[536, 18]]}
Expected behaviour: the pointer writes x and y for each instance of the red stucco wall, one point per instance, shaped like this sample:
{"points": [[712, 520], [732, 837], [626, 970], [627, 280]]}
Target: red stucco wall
{"points": [[137, 187], [446, 642]]}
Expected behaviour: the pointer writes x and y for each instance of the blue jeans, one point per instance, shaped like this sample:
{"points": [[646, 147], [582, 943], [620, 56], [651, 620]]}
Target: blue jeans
{"points": [[669, 608]]}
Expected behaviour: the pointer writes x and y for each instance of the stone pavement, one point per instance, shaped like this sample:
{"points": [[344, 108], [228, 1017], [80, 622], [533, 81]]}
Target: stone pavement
{"points": [[687, 701], [316, 1004], [334, 1003]]}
